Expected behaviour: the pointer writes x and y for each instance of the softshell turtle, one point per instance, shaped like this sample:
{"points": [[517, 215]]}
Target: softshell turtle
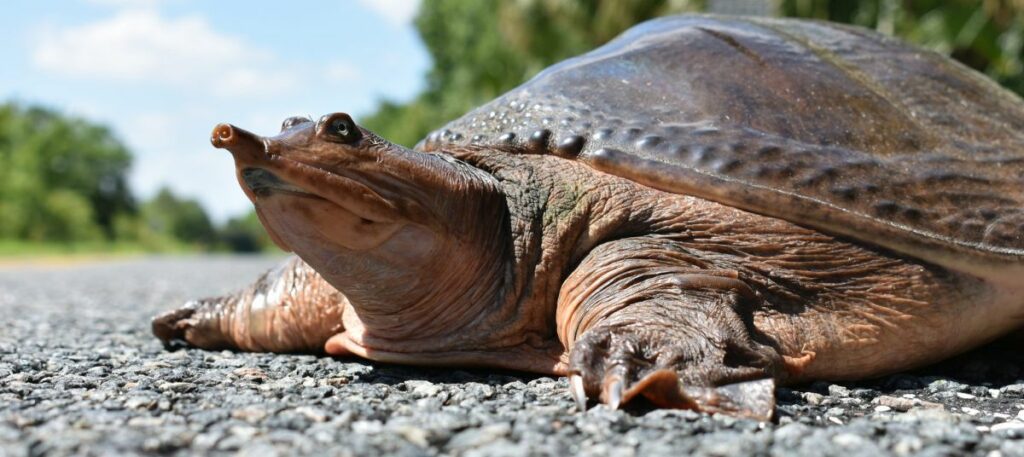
{"points": [[698, 210]]}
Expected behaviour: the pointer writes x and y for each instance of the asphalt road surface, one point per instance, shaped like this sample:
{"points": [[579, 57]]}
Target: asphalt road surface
{"points": [[80, 374]]}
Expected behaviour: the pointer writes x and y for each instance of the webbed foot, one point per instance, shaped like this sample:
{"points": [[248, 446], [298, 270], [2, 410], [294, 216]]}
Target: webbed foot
{"points": [[672, 368], [195, 324]]}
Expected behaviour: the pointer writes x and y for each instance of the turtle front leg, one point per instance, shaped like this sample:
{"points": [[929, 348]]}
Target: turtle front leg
{"points": [[643, 319], [288, 309]]}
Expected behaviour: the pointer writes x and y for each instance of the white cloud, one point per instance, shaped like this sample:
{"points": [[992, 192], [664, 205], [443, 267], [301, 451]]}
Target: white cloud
{"points": [[156, 77], [142, 47], [397, 12]]}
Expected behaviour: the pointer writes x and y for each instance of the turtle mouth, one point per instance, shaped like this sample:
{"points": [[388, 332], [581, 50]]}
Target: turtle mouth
{"points": [[264, 183], [294, 178]]}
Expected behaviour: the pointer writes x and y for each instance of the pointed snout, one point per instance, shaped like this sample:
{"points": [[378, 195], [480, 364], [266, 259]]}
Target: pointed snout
{"points": [[242, 143]]}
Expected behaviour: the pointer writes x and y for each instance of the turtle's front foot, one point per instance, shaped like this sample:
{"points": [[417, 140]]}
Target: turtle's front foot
{"points": [[169, 327], [623, 358], [640, 320], [197, 324]]}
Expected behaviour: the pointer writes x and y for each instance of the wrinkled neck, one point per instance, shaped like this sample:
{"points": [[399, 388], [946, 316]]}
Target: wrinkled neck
{"points": [[559, 210], [427, 294]]}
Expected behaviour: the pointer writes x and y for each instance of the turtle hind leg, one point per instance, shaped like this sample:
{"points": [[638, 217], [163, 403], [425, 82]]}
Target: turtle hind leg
{"points": [[288, 309]]}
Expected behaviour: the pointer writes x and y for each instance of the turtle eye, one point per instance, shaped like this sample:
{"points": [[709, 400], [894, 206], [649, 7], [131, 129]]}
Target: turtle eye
{"points": [[293, 121], [338, 127]]}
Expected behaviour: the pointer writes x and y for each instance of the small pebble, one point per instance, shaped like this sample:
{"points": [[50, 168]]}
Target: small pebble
{"points": [[896, 403], [836, 390], [1004, 426], [813, 398], [1013, 390]]}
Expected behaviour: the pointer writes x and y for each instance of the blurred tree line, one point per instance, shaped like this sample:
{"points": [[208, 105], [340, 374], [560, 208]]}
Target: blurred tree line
{"points": [[481, 49], [64, 180]]}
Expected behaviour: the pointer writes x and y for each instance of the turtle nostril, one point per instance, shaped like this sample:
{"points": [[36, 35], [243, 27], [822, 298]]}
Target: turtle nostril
{"points": [[223, 135], [243, 144]]}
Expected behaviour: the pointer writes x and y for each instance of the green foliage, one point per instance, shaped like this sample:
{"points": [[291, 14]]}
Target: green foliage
{"points": [[58, 251], [61, 178], [66, 216], [63, 183], [180, 218], [245, 234], [132, 230]]}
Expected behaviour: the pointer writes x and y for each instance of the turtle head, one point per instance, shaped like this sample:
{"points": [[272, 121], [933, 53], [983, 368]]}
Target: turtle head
{"points": [[386, 225]]}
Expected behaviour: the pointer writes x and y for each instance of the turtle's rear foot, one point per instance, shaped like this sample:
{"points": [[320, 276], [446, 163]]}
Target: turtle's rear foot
{"points": [[289, 309]]}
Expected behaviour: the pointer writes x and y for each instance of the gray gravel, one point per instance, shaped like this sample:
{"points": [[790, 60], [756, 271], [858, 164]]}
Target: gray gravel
{"points": [[80, 374]]}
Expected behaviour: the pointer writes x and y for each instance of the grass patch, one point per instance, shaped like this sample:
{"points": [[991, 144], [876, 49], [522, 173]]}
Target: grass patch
{"points": [[17, 249]]}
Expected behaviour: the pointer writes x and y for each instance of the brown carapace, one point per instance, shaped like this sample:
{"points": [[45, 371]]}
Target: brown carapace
{"points": [[696, 211]]}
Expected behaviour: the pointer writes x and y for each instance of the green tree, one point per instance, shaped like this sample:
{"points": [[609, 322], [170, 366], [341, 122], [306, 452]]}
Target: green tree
{"points": [[180, 218], [65, 216], [57, 171], [245, 234], [63, 179]]}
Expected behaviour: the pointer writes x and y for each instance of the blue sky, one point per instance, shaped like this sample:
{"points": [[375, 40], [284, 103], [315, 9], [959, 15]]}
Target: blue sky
{"points": [[162, 73]]}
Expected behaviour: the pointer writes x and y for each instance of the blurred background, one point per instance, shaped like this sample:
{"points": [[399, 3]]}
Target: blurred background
{"points": [[106, 105]]}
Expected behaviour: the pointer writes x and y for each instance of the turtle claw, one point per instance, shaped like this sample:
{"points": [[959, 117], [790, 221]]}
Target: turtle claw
{"points": [[614, 393], [577, 392]]}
